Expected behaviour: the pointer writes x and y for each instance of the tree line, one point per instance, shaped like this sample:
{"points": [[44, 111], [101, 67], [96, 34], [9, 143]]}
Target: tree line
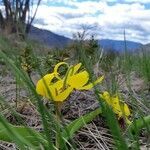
{"points": [[16, 16]]}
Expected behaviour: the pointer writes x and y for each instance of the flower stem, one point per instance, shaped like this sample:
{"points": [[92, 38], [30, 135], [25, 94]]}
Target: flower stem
{"points": [[58, 119]]}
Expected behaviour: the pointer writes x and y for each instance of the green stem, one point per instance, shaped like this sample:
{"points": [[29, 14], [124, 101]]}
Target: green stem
{"points": [[58, 119]]}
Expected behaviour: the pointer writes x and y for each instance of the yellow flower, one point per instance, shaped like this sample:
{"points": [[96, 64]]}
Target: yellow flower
{"points": [[63, 86], [53, 90], [120, 108]]}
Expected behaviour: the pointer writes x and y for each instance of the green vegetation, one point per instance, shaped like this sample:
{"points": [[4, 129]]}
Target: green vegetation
{"points": [[100, 127]]}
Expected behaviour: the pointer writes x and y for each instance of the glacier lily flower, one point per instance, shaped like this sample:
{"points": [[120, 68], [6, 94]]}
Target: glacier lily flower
{"points": [[59, 91], [120, 108]]}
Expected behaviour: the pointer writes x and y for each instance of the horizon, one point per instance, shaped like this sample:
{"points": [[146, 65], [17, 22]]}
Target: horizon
{"points": [[71, 38], [108, 17]]}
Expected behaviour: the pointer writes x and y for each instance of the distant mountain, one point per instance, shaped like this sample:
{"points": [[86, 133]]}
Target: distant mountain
{"points": [[119, 45], [146, 48], [48, 38], [51, 39]]}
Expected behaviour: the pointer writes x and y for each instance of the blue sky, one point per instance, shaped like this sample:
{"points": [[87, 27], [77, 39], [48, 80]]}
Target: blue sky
{"points": [[106, 18]]}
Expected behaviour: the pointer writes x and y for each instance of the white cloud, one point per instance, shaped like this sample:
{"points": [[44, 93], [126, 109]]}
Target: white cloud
{"points": [[127, 1], [140, 1], [112, 19]]}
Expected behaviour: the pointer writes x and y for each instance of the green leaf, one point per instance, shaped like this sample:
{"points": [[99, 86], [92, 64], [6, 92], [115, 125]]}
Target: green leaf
{"points": [[112, 123], [138, 124], [26, 135], [41, 108], [79, 123]]}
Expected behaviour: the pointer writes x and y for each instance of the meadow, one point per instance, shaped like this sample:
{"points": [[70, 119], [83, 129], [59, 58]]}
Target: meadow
{"points": [[77, 98]]}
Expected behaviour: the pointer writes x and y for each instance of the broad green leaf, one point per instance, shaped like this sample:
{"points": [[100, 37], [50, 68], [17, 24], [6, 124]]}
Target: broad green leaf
{"points": [[27, 135], [139, 124], [79, 123]]}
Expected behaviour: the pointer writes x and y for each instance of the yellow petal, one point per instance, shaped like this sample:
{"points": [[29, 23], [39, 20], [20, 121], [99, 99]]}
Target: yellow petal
{"points": [[126, 110], [78, 80], [106, 96], [63, 95], [76, 67], [48, 78], [71, 71], [57, 66], [39, 88], [44, 83], [115, 103], [57, 93], [54, 89], [127, 121], [120, 108], [90, 85]]}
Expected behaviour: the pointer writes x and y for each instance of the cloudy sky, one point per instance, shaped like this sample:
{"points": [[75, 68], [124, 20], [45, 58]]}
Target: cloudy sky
{"points": [[108, 18]]}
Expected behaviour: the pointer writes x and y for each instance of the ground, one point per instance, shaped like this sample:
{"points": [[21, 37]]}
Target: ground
{"points": [[93, 136]]}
